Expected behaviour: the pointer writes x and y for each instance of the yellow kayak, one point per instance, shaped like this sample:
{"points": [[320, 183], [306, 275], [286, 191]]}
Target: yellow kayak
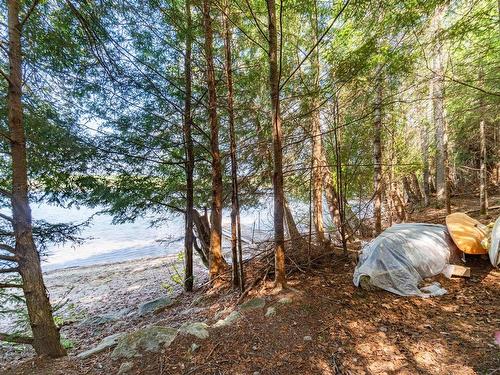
{"points": [[467, 233]]}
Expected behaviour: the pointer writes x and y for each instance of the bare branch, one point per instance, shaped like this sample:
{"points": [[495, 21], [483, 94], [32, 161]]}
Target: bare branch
{"points": [[8, 248], [6, 217], [318, 42], [9, 258], [28, 13], [9, 270], [17, 339], [7, 285], [6, 193], [256, 21], [5, 75]]}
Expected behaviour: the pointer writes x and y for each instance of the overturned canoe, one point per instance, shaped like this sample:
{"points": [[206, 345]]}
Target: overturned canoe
{"points": [[467, 233]]}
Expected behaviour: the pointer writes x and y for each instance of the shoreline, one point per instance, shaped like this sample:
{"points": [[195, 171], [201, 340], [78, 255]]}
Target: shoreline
{"points": [[106, 264], [86, 292]]}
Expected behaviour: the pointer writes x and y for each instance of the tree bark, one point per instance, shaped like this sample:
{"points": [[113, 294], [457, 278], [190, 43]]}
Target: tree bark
{"points": [[317, 171], [202, 227], [274, 80], [398, 203], [439, 116], [424, 146], [416, 186], [412, 197], [189, 153], [293, 232], [352, 223], [483, 180], [377, 155], [46, 340], [216, 259], [236, 250]]}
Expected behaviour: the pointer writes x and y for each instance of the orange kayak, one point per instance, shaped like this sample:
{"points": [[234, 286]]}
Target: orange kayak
{"points": [[466, 232]]}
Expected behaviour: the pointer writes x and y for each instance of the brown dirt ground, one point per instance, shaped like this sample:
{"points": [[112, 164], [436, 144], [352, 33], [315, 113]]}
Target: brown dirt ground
{"points": [[353, 331]]}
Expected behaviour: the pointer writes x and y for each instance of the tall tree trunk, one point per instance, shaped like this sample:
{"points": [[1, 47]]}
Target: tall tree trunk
{"points": [[398, 204], [424, 145], [352, 223], [45, 333], [317, 171], [202, 227], [377, 155], [416, 186], [293, 232], [189, 151], [216, 260], [437, 89], [483, 180], [412, 197], [274, 80], [388, 190], [236, 249]]}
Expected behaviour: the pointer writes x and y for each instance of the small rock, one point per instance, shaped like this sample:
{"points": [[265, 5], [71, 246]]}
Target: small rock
{"points": [[228, 320], [383, 329], [104, 318], [106, 343], [197, 329], [252, 304], [125, 367], [155, 306], [285, 300], [150, 338], [254, 348], [308, 338], [271, 311], [256, 373], [194, 347]]}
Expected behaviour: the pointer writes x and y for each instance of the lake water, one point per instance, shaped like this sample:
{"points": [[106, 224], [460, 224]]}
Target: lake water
{"points": [[107, 242]]}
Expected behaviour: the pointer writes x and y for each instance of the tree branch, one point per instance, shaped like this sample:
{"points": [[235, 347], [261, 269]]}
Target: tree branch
{"points": [[6, 217], [17, 339], [9, 270], [318, 42], [9, 258], [6, 193], [8, 248], [28, 13], [4, 75], [7, 285]]}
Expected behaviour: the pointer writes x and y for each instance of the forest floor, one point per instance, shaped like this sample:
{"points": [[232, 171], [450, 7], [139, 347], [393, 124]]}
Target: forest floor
{"points": [[328, 327]]}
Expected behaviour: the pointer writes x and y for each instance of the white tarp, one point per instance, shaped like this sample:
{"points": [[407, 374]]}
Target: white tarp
{"points": [[403, 255], [494, 251]]}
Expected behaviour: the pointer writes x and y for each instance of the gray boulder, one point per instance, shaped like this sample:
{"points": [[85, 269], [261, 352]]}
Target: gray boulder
{"points": [[228, 320], [106, 343], [145, 339], [197, 329], [105, 318], [155, 306], [253, 304]]}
